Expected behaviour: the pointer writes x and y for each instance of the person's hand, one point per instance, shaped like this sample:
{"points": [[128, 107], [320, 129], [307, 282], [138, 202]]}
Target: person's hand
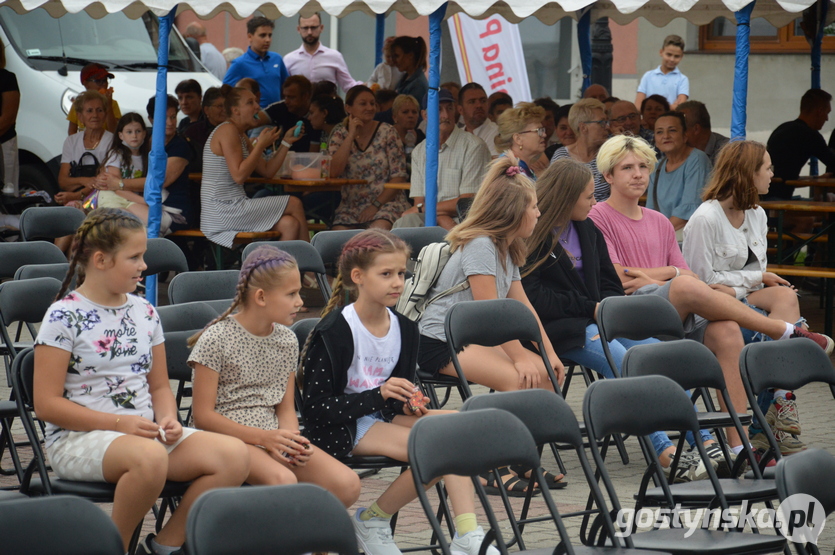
{"points": [[690, 273], [64, 197], [290, 135], [267, 137], [723, 289], [172, 428], [528, 374], [412, 210], [558, 367], [285, 445], [136, 425], [302, 458], [771, 279], [106, 182], [367, 214], [638, 280], [397, 388], [354, 125]]}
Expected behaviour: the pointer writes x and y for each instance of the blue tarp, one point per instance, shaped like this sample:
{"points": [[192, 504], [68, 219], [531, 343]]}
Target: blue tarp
{"points": [[739, 104], [435, 21]]}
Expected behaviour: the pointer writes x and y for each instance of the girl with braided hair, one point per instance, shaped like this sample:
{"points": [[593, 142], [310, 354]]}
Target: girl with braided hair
{"points": [[358, 373], [244, 379], [101, 385]]}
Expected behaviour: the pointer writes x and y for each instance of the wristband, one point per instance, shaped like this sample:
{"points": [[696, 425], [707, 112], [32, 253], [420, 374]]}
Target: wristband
{"points": [[420, 208], [285, 143], [376, 204], [678, 272]]}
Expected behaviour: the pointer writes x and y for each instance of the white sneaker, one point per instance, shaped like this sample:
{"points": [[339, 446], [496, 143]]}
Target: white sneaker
{"points": [[374, 535], [470, 543]]}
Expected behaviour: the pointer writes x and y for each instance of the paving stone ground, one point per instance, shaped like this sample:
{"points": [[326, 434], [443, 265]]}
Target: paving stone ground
{"points": [[817, 409]]}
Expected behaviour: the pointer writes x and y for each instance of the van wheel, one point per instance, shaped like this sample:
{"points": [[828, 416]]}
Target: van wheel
{"points": [[37, 178]]}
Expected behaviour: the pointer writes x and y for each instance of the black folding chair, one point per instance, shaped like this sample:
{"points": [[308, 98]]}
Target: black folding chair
{"points": [[49, 222], [477, 441], [419, 237], [292, 519], [36, 478], [329, 245], [15, 255], [789, 365], [209, 285], [691, 365], [58, 271], [801, 474], [68, 525], [609, 408], [306, 257], [163, 255]]}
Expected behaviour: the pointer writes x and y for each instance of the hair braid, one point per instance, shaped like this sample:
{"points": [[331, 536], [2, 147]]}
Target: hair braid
{"points": [[336, 297]]}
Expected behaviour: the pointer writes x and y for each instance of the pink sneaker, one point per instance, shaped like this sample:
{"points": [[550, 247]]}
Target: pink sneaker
{"points": [[824, 341]]}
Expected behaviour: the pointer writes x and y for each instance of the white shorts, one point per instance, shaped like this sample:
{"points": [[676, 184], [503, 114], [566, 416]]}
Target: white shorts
{"points": [[79, 455]]}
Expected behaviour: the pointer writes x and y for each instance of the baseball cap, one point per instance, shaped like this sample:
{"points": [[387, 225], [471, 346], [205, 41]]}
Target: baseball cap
{"points": [[95, 71], [443, 96]]}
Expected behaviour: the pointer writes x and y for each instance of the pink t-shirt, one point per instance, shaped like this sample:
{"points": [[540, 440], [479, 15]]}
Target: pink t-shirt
{"points": [[646, 243]]}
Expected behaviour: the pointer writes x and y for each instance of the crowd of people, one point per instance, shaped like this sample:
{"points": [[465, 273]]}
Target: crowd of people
{"points": [[555, 221]]}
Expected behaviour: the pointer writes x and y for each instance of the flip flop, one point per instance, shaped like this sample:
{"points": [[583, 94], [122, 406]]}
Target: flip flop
{"points": [[553, 481], [515, 487]]}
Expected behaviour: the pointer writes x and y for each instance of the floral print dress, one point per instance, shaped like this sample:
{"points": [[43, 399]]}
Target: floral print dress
{"points": [[110, 354], [382, 161]]}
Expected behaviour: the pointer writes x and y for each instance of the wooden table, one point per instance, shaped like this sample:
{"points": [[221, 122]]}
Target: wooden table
{"points": [[296, 186], [398, 186]]}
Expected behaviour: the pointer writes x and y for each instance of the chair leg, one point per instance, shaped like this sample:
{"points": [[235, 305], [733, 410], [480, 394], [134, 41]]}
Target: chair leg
{"points": [[7, 440]]}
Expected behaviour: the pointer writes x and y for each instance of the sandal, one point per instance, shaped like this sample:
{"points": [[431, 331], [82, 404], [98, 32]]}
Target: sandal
{"points": [[514, 487], [553, 481]]}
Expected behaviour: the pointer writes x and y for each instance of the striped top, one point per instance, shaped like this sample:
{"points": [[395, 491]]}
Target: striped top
{"points": [[601, 186], [226, 210]]}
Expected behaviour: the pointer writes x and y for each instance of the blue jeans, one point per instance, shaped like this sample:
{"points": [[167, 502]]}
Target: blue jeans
{"points": [[591, 356]]}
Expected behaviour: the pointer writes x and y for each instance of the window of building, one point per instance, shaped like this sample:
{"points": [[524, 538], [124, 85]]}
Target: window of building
{"points": [[720, 36]]}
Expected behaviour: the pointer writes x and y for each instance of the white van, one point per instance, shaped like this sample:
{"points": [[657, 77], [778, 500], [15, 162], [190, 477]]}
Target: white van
{"points": [[47, 55]]}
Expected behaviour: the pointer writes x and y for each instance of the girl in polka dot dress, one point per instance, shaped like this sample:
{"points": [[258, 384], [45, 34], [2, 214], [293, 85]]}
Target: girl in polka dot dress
{"points": [[244, 380], [358, 372], [101, 385]]}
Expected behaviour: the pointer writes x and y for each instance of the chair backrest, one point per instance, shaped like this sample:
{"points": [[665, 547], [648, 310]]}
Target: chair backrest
{"points": [[186, 316], [688, 363], [609, 407], [177, 353], [469, 443], [804, 473], [23, 375], [57, 524], [329, 243], [462, 207], [163, 255], [306, 256], [302, 329], [788, 364], [419, 237], [57, 271], [15, 255], [210, 285], [49, 222], [299, 518], [546, 415], [27, 300], [638, 317], [477, 323]]}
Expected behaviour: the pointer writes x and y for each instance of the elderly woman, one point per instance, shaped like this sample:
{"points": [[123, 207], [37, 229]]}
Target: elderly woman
{"points": [[651, 108], [675, 188], [588, 120], [84, 153], [362, 148], [521, 133]]}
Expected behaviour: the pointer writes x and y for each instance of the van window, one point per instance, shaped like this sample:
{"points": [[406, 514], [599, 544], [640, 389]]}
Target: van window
{"points": [[114, 40]]}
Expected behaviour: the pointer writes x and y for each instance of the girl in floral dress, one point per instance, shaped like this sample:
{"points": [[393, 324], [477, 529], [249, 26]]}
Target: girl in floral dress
{"points": [[101, 385], [366, 149]]}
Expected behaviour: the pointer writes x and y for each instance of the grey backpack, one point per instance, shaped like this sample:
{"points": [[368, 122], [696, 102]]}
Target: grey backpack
{"points": [[428, 267]]}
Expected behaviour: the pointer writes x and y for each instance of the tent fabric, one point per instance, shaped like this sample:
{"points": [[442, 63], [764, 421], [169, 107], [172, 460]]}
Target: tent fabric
{"points": [[657, 12]]}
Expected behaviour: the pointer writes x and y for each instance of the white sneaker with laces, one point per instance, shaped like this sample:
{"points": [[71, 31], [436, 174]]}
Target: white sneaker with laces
{"points": [[374, 535], [470, 543]]}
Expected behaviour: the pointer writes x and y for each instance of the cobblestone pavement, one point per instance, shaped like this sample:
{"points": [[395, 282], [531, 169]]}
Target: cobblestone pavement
{"points": [[816, 404]]}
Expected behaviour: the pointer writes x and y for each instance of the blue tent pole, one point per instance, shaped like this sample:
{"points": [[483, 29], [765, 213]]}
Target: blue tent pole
{"points": [[739, 104], [823, 6], [584, 42], [381, 38], [157, 159], [431, 185]]}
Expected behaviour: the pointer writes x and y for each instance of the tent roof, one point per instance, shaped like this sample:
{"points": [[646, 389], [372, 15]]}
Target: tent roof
{"points": [[657, 12]]}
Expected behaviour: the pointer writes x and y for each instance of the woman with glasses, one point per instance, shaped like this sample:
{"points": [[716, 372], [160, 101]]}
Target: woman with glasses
{"points": [[587, 119], [675, 188], [522, 134]]}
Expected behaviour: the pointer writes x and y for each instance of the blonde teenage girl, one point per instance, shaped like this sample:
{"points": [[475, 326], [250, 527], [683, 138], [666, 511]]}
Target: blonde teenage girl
{"points": [[101, 385], [244, 379], [358, 373], [488, 248]]}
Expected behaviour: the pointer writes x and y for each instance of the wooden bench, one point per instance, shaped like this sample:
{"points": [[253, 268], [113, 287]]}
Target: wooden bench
{"points": [[241, 238], [827, 274], [772, 236]]}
